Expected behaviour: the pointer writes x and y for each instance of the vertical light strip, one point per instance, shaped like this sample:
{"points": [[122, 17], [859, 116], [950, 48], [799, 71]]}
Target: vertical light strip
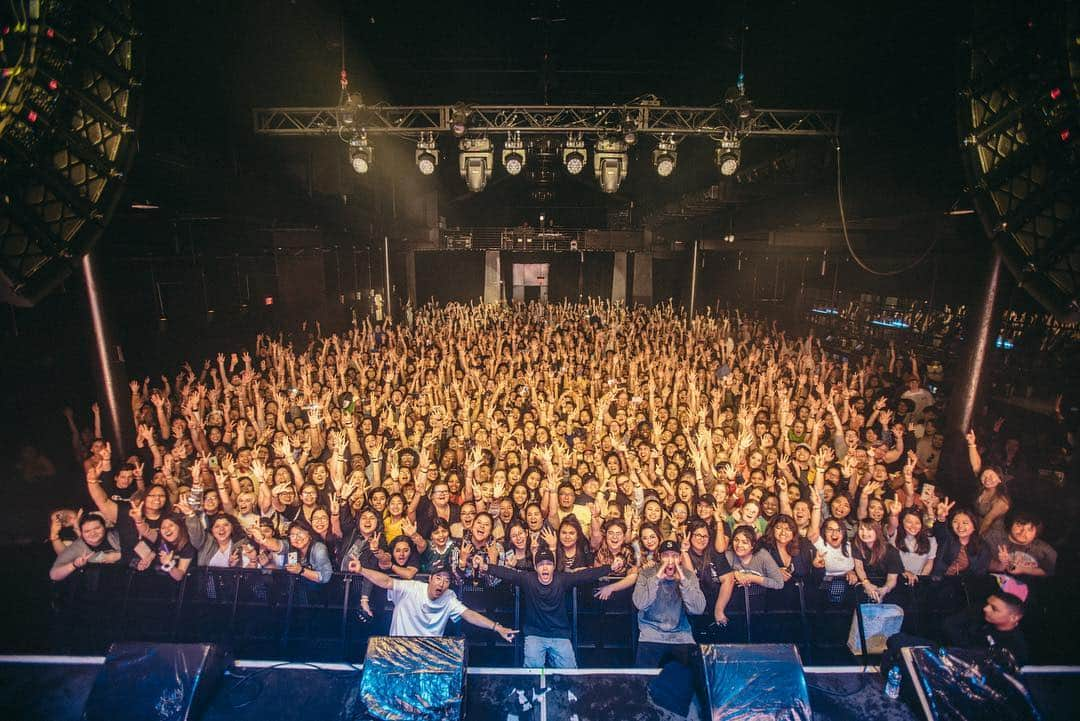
{"points": [[101, 342], [386, 255], [693, 281]]}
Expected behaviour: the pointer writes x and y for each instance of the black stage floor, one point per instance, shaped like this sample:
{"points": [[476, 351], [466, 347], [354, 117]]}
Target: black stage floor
{"points": [[58, 691]]}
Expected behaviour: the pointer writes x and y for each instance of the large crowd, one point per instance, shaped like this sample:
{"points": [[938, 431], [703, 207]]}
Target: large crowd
{"points": [[488, 443]]}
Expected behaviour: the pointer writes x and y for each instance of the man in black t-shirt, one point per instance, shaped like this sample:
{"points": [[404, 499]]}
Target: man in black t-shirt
{"points": [[995, 625], [545, 622]]}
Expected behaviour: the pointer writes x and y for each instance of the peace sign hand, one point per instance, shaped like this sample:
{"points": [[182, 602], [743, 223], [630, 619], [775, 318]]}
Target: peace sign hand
{"points": [[945, 508], [1004, 557]]}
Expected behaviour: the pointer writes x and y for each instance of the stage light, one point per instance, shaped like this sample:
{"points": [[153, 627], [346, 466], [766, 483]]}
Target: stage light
{"points": [[736, 95], [475, 162], [513, 154], [459, 117], [728, 153], [360, 154], [427, 155], [573, 154], [629, 130], [665, 155], [744, 107], [610, 164]]}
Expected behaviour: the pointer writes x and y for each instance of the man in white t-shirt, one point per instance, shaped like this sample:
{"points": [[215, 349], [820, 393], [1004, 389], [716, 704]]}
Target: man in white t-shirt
{"points": [[422, 609]]}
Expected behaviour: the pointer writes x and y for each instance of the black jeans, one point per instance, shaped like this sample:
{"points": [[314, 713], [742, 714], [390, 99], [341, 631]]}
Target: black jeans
{"points": [[681, 677]]}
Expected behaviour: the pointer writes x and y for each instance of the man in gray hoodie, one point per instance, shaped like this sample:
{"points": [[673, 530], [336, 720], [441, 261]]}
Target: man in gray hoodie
{"points": [[664, 594]]}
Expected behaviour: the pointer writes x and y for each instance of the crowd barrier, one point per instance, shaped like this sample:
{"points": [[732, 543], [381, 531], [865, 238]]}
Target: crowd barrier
{"points": [[274, 614]]}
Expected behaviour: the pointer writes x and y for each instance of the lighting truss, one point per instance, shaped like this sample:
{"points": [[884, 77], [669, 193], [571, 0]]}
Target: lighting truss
{"points": [[594, 120]]}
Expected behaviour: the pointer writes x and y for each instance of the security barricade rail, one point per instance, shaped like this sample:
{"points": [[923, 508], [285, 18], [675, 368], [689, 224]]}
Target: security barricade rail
{"points": [[275, 614]]}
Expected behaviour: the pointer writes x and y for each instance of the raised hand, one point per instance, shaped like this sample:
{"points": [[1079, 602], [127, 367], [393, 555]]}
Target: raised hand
{"points": [[1004, 557], [825, 456], [945, 508]]}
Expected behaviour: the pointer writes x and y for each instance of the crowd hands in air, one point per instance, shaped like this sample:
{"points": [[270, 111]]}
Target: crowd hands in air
{"points": [[480, 435]]}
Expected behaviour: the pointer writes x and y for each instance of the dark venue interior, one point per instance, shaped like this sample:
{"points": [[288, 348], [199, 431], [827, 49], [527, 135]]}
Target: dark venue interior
{"points": [[711, 360]]}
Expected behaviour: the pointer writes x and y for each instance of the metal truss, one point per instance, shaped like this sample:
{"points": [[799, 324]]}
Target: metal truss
{"points": [[592, 120]]}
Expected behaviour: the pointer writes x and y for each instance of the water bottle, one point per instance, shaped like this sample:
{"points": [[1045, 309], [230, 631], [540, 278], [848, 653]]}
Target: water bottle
{"points": [[892, 685]]}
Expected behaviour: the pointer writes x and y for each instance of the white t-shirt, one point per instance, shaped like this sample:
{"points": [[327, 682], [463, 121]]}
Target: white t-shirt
{"points": [[914, 562], [221, 558], [836, 563], [417, 615]]}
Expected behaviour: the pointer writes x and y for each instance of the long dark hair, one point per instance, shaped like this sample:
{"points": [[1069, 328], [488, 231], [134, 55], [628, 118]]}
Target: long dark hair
{"points": [[974, 544], [876, 551], [581, 546], [644, 552], [508, 545], [922, 538], [768, 540], [845, 544]]}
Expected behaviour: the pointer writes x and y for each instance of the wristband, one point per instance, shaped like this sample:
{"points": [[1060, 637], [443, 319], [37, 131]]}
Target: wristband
{"points": [[168, 566]]}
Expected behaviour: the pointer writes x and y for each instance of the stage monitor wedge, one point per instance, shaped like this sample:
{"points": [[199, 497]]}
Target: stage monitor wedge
{"points": [[762, 681], [413, 679], [163, 682]]}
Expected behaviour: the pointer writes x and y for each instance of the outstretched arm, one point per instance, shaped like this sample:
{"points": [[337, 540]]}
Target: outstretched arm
{"points": [[481, 621], [379, 578]]}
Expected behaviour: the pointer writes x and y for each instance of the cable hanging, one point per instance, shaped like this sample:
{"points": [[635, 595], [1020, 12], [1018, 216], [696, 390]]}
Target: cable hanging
{"points": [[847, 240]]}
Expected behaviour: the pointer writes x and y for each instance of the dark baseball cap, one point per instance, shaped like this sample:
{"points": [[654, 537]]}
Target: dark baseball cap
{"points": [[439, 566], [544, 556], [669, 546]]}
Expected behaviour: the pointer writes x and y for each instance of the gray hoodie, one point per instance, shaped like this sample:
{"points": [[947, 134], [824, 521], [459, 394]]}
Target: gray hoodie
{"points": [[662, 606]]}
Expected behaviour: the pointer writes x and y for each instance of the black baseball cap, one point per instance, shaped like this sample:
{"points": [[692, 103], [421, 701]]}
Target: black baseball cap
{"points": [[544, 555], [439, 566], [669, 546]]}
